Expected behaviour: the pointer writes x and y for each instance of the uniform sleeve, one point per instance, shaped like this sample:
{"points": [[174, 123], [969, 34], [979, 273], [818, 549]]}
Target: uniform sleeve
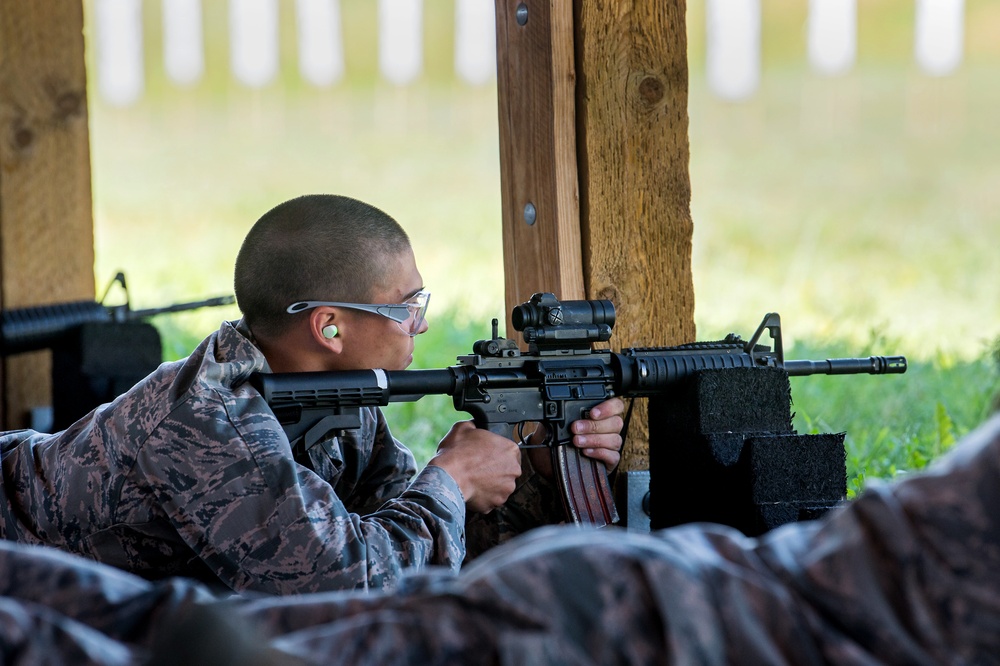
{"points": [[909, 572], [223, 472], [56, 608]]}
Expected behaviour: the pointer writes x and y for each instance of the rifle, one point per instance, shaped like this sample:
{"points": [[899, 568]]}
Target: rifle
{"points": [[46, 326], [98, 350], [556, 382]]}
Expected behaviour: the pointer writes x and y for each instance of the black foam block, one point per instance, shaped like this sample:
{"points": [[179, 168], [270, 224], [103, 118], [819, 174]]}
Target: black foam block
{"points": [[722, 449], [731, 400], [99, 362], [796, 468]]}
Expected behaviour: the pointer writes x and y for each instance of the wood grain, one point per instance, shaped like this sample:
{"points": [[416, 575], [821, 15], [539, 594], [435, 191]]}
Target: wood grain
{"points": [[46, 218], [633, 159], [536, 89]]}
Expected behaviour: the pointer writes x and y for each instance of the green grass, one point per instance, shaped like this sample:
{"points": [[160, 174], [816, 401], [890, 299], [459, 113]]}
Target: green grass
{"points": [[847, 205], [895, 423], [863, 208]]}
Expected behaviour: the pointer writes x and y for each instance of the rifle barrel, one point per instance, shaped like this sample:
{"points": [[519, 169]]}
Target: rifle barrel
{"points": [[181, 307], [873, 365]]}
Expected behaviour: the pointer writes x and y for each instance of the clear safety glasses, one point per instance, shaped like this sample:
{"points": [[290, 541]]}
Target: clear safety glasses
{"points": [[409, 315]]}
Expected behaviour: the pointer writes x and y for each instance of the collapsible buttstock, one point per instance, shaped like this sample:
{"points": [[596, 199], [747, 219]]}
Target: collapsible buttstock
{"points": [[585, 489]]}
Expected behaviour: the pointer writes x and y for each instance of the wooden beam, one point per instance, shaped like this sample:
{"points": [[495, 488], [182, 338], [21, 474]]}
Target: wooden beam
{"points": [[538, 174], [594, 134], [46, 216], [635, 190]]}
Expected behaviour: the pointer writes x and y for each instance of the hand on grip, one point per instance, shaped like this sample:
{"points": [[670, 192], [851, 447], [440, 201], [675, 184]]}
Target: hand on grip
{"points": [[484, 464]]}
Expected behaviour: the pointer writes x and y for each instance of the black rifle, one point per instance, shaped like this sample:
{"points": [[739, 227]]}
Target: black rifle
{"points": [[45, 326], [555, 383], [98, 350]]}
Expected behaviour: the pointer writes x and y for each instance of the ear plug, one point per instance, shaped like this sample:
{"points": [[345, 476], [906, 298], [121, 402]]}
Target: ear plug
{"points": [[330, 331]]}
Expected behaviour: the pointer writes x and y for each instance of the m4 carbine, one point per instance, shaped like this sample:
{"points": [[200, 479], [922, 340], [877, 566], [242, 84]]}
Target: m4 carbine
{"points": [[98, 351], [46, 326], [555, 383]]}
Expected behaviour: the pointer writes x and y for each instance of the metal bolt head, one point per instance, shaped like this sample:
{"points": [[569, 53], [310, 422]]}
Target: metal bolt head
{"points": [[529, 213], [522, 14]]}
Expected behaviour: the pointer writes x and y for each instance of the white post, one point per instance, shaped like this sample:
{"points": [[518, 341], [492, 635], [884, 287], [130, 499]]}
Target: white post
{"points": [[400, 40], [321, 44], [732, 62], [253, 41], [832, 35], [938, 36], [475, 41], [120, 77], [183, 44]]}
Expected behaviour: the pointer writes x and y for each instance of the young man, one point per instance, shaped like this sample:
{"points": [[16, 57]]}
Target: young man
{"points": [[189, 473]]}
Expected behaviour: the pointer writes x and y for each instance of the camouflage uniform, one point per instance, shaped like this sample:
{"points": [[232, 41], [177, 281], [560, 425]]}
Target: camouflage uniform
{"points": [[189, 474], [907, 574]]}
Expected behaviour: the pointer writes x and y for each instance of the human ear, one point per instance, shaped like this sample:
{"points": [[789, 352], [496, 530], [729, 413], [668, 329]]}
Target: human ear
{"points": [[323, 328]]}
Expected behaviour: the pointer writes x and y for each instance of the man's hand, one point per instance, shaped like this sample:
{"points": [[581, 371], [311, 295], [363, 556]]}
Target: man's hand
{"points": [[597, 437], [484, 464]]}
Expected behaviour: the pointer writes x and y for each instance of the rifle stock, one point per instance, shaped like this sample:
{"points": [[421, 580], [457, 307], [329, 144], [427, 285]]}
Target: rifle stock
{"points": [[555, 383]]}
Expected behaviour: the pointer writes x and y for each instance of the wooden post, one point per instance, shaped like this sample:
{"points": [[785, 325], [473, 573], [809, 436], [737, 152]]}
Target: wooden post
{"points": [[594, 134], [46, 217], [538, 164], [635, 190]]}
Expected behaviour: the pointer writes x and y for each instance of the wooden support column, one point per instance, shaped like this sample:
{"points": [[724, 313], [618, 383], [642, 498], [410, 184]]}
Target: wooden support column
{"points": [[635, 189], [538, 164], [46, 216], [598, 142]]}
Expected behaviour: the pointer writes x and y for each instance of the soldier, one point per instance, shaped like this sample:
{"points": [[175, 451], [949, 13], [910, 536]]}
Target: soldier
{"points": [[190, 474], [908, 573]]}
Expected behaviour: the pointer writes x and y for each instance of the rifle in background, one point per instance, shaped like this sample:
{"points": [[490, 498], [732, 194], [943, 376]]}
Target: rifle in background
{"points": [[98, 351]]}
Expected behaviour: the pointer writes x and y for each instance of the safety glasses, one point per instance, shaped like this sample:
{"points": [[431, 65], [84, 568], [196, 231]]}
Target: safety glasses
{"points": [[409, 315]]}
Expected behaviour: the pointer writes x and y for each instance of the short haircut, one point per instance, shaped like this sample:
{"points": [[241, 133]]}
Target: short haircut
{"points": [[317, 247]]}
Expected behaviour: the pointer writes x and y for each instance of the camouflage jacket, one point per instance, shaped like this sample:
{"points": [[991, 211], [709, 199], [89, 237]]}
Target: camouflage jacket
{"points": [[189, 474], [907, 574]]}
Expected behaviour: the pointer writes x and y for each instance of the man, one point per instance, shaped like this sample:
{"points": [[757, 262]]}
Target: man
{"points": [[906, 574], [189, 473]]}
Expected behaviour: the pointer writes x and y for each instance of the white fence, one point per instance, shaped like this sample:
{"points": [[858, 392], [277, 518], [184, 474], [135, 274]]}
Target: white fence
{"points": [[733, 42], [732, 60]]}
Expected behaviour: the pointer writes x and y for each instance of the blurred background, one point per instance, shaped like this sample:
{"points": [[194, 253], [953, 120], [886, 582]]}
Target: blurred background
{"points": [[845, 162]]}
